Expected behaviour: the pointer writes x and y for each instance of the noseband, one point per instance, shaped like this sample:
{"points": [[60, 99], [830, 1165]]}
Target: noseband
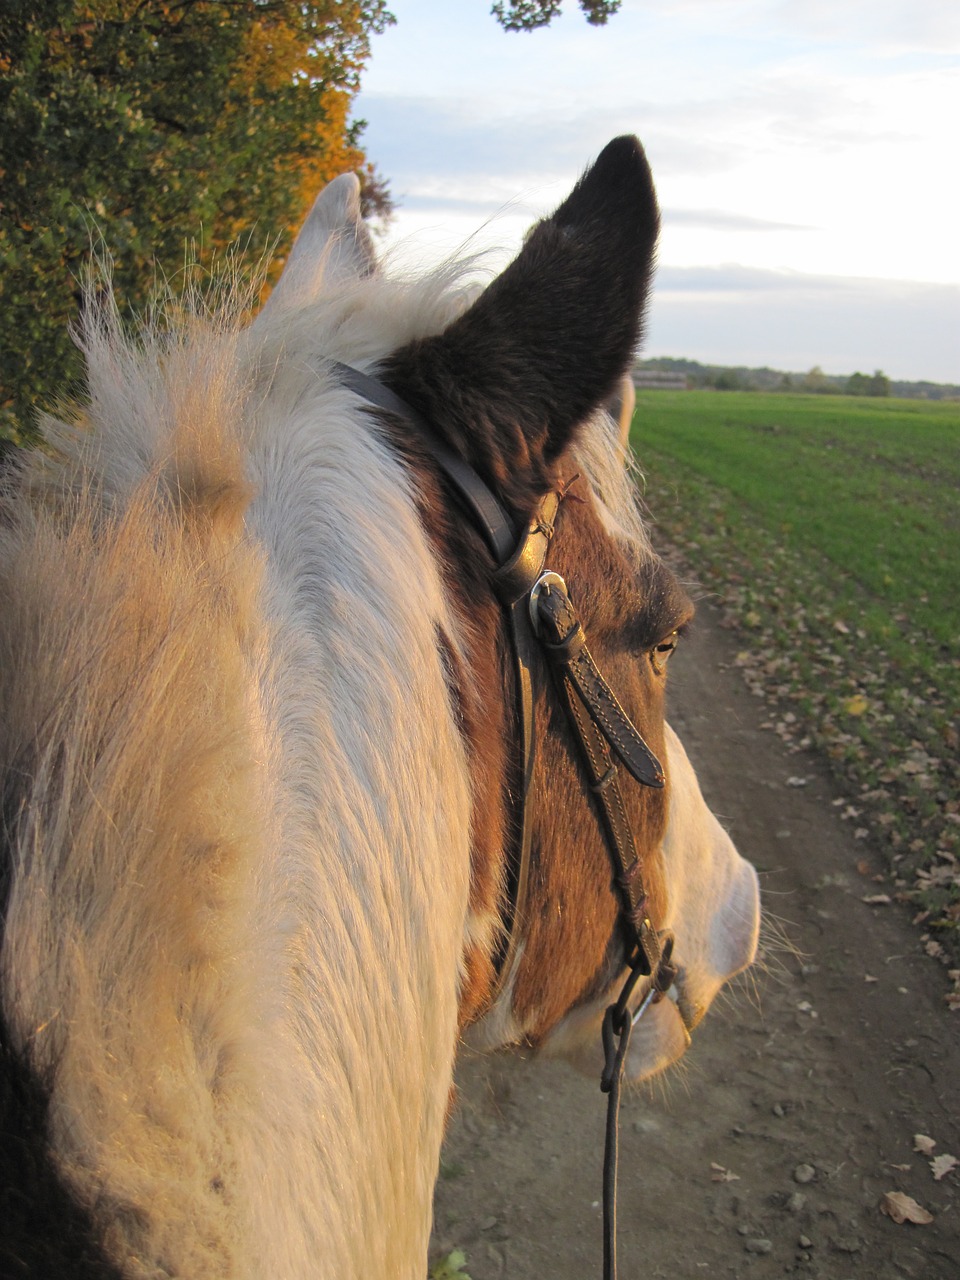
{"points": [[541, 619]]}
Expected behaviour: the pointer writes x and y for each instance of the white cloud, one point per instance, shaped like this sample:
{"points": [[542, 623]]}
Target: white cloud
{"points": [[814, 137], [717, 220], [736, 315], [887, 28]]}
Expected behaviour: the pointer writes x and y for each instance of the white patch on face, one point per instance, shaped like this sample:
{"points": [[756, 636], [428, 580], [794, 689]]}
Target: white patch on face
{"points": [[712, 892]]}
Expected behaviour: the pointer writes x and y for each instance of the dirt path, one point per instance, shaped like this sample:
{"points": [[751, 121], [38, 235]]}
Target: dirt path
{"points": [[809, 1092]]}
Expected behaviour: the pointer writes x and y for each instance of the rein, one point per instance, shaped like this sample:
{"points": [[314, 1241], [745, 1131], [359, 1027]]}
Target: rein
{"points": [[540, 617]]}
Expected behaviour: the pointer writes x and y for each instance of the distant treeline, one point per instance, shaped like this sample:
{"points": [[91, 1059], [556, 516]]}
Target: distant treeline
{"points": [[814, 381]]}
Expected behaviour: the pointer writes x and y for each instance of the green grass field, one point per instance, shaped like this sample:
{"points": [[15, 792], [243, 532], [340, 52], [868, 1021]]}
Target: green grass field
{"points": [[830, 528]]}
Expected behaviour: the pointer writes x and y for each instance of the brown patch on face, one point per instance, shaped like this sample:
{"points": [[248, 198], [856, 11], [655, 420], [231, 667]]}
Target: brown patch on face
{"points": [[574, 943]]}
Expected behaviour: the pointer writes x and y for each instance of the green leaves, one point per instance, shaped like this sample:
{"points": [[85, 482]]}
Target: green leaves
{"points": [[156, 122], [527, 15]]}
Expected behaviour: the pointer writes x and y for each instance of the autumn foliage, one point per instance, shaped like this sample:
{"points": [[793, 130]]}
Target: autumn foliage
{"points": [[155, 123]]}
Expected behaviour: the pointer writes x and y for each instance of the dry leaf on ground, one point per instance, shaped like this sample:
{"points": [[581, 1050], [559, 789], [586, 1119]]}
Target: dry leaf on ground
{"points": [[923, 1144], [721, 1174], [942, 1165], [903, 1208]]}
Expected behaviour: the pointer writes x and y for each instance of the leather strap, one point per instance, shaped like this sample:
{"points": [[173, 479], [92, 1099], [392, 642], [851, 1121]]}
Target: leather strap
{"points": [[513, 582], [520, 563], [566, 644], [488, 515]]}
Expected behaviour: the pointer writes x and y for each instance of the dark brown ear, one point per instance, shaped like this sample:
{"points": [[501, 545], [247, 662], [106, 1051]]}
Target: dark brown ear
{"points": [[508, 382]]}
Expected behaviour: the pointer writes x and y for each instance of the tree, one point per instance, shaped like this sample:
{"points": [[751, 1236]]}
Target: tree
{"points": [[816, 380], [158, 120], [527, 15], [879, 384], [858, 384]]}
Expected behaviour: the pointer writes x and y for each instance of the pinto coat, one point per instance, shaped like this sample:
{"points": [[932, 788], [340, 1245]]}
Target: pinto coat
{"points": [[256, 749]]}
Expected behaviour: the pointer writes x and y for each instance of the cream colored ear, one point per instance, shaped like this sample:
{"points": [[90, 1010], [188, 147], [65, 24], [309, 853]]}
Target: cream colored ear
{"points": [[333, 245]]}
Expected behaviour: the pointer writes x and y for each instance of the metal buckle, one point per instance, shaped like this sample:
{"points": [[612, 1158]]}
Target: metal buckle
{"points": [[543, 583]]}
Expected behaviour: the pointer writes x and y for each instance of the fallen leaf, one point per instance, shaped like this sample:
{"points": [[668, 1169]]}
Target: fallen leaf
{"points": [[923, 1144], [856, 705], [942, 1165], [878, 899], [903, 1208], [450, 1267], [720, 1174]]}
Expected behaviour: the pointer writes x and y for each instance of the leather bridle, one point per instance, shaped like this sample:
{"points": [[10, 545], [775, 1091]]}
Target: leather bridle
{"points": [[541, 619]]}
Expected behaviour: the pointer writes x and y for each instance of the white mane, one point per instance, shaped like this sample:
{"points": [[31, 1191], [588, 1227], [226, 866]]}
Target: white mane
{"points": [[243, 543]]}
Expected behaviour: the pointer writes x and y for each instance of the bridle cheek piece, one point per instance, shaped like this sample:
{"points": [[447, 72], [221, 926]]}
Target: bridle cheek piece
{"points": [[541, 620]]}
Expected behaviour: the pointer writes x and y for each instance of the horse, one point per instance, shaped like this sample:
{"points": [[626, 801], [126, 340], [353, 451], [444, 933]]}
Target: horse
{"points": [[300, 615]]}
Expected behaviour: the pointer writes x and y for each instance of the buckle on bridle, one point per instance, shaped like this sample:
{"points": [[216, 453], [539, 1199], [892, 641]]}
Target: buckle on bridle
{"points": [[545, 583]]}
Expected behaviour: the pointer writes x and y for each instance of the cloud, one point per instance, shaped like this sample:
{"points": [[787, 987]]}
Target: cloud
{"points": [[812, 136], [421, 141], [717, 220], [885, 27], [873, 27], [702, 219], [442, 205], [790, 320]]}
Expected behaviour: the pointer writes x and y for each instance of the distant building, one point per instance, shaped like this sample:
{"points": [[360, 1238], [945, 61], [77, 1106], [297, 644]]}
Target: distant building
{"points": [[658, 380]]}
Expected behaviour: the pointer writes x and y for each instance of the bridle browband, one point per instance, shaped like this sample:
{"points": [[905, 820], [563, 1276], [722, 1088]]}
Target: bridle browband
{"points": [[541, 619]]}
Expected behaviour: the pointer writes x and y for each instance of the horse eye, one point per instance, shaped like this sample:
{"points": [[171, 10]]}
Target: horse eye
{"points": [[660, 654]]}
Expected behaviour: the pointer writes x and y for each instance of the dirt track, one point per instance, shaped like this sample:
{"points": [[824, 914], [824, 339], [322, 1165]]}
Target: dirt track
{"points": [[809, 1090]]}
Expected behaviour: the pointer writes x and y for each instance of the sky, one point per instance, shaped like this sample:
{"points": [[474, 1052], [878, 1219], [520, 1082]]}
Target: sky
{"points": [[805, 153]]}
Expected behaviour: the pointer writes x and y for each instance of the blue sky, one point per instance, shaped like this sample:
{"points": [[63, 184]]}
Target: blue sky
{"points": [[805, 154]]}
